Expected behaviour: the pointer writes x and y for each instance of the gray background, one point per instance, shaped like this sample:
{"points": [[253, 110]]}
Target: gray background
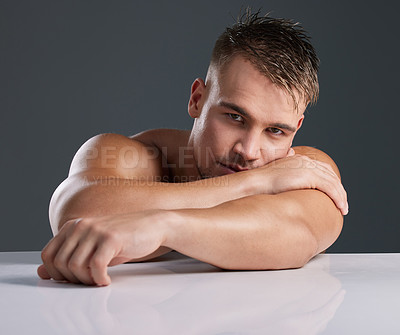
{"points": [[73, 69]]}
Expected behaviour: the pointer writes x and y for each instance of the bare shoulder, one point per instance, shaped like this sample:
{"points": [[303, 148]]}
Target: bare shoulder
{"points": [[160, 138], [318, 155], [113, 154]]}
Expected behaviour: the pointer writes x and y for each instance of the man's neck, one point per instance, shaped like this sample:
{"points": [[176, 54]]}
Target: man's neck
{"points": [[184, 169]]}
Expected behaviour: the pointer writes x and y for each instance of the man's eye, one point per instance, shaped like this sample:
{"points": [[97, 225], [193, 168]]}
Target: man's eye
{"points": [[235, 117], [275, 131]]}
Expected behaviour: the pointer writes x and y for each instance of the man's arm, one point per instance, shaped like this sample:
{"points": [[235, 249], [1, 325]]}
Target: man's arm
{"points": [[256, 232], [264, 231], [112, 174]]}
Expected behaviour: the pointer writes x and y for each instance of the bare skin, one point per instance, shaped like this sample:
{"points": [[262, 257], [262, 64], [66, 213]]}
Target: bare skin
{"points": [[232, 192]]}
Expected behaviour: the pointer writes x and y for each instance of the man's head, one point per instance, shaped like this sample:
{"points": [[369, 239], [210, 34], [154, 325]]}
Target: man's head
{"points": [[280, 49], [262, 75]]}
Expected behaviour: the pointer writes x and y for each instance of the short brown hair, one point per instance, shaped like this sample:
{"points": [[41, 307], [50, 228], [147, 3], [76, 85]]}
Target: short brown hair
{"points": [[279, 48]]}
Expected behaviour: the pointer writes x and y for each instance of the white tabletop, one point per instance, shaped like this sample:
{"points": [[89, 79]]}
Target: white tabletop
{"points": [[332, 294]]}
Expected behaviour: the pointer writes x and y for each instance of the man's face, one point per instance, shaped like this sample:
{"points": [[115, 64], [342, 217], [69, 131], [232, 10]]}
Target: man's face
{"points": [[242, 120]]}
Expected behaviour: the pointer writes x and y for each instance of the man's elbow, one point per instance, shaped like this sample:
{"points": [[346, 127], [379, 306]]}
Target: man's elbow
{"points": [[296, 254], [316, 217], [293, 241], [68, 202]]}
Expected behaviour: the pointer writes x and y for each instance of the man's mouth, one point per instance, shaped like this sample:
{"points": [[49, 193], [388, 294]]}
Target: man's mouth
{"points": [[233, 167]]}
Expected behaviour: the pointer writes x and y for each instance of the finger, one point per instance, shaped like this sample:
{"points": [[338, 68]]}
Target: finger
{"points": [[42, 272], [341, 200], [99, 262], [75, 235], [336, 197], [79, 262], [342, 204], [335, 191], [346, 203], [48, 255], [61, 262], [327, 182], [329, 169]]}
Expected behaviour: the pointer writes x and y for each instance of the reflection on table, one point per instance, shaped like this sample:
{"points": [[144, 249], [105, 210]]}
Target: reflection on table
{"points": [[175, 295]]}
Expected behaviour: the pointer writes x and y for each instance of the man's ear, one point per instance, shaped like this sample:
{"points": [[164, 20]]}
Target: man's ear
{"points": [[300, 122], [195, 102]]}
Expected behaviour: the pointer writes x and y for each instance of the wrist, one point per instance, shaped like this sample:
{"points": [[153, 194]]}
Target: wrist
{"points": [[251, 183], [171, 221]]}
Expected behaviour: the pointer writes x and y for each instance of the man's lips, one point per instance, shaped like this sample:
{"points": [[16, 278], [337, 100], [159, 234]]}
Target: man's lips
{"points": [[233, 167]]}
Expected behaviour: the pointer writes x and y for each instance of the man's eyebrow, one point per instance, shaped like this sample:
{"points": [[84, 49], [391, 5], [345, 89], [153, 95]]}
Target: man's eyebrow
{"points": [[234, 107], [284, 126], [241, 111]]}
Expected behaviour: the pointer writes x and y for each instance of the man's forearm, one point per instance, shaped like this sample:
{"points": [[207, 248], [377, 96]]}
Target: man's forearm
{"points": [[82, 196], [256, 232]]}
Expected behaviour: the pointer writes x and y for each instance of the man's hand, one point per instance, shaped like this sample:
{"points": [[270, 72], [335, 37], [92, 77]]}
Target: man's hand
{"points": [[84, 248], [296, 172]]}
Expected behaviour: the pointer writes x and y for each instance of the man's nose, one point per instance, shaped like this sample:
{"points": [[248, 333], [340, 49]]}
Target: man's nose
{"points": [[249, 147]]}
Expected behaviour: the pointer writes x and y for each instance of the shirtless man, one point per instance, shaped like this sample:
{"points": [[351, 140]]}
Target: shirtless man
{"points": [[231, 192]]}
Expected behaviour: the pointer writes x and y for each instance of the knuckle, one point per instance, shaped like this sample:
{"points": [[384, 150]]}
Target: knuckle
{"points": [[326, 186], [45, 255], [74, 265], [69, 222], [82, 224], [59, 263], [109, 237], [96, 262], [67, 225]]}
